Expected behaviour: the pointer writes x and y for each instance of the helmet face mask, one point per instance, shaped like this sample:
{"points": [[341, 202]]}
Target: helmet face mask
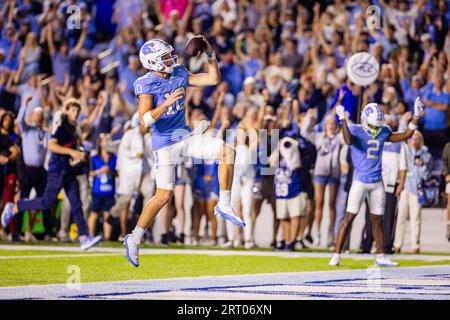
{"points": [[170, 61], [372, 118], [156, 55]]}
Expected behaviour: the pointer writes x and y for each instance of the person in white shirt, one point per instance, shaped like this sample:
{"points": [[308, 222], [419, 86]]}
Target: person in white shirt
{"points": [[418, 165]]}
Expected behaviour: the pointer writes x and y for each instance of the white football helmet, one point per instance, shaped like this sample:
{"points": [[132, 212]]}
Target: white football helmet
{"points": [[151, 56], [372, 114]]}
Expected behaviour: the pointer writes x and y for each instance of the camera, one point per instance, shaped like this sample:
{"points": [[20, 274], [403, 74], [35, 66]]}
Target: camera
{"points": [[417, 159]]}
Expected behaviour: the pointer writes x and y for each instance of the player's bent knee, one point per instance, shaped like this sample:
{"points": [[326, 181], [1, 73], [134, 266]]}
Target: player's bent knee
{"points": [[163, 196]]}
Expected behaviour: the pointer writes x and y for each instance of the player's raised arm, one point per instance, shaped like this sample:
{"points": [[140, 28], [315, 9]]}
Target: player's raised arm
{"points": [[348, 137], [212, 76], [401, 136], [149, 115]]}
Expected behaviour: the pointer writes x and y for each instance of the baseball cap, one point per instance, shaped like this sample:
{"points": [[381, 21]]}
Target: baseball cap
{"points": [[425, 37], [249, 80]]}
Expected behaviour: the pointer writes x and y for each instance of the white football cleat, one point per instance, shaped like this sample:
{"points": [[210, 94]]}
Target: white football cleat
{"points": [[335, 260], [382, 261], [132, 250], [227, 212]]}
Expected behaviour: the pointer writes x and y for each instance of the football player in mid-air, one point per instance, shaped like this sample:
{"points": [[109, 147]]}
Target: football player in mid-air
{"points": [[161, 94], [366, 142]]}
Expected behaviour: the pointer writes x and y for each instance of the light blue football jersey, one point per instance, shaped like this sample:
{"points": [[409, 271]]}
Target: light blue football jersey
{"points": [[171, 127], [366, 153]]}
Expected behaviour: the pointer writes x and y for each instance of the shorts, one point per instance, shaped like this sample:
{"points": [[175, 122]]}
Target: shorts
{"points": [[134, 182], [291, 208], [205, 195], [324, 180], [205, 190], [198, 146], [101, 203], [146, 187], [122, 202], [358, 193]]}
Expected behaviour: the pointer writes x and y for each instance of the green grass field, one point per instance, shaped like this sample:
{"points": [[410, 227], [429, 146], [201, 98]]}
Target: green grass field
{"points": [[25, 267]]}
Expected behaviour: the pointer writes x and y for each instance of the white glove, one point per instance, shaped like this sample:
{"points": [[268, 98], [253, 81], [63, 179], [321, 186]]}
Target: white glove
{"points": [[340, 111], [418, 107]]}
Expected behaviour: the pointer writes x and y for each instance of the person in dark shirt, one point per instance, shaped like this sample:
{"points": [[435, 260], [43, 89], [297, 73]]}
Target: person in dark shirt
{"points": [[7, 98], [347, 95], [9, 153], [62, 172]]}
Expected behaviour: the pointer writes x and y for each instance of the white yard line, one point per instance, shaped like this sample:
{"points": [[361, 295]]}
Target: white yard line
{"points": [[228, 253]]}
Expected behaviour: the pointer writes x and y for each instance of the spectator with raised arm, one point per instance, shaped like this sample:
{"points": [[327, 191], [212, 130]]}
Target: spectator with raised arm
{"points": [[34, 148], [326, 172], [437, 102], [418, 167], [63, 57]]}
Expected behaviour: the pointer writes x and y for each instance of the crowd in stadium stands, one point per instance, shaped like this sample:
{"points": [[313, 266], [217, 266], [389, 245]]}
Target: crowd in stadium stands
{"points": [[283, 68]]}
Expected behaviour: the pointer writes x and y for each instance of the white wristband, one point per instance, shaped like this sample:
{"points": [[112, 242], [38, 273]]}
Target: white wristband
{"points": [[412, 126], [148, 119]]}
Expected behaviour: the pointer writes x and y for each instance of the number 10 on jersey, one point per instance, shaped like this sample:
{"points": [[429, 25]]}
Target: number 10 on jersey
{"points": [[178, 106]]}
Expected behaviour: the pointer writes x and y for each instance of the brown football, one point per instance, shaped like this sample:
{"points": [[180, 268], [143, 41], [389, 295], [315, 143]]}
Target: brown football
{"points": [[195, 46]]}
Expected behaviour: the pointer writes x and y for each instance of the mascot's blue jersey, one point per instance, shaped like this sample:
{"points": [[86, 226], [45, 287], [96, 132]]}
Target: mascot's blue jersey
{"points": [[171, 127], [287, 182]]}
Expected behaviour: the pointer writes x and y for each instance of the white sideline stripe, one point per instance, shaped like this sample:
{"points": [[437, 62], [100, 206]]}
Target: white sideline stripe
{"points": [[144, 251], [60, 256]]}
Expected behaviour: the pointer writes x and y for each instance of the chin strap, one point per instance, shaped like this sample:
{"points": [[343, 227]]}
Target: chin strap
{"points": [[375, 133], [370, 131]]}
